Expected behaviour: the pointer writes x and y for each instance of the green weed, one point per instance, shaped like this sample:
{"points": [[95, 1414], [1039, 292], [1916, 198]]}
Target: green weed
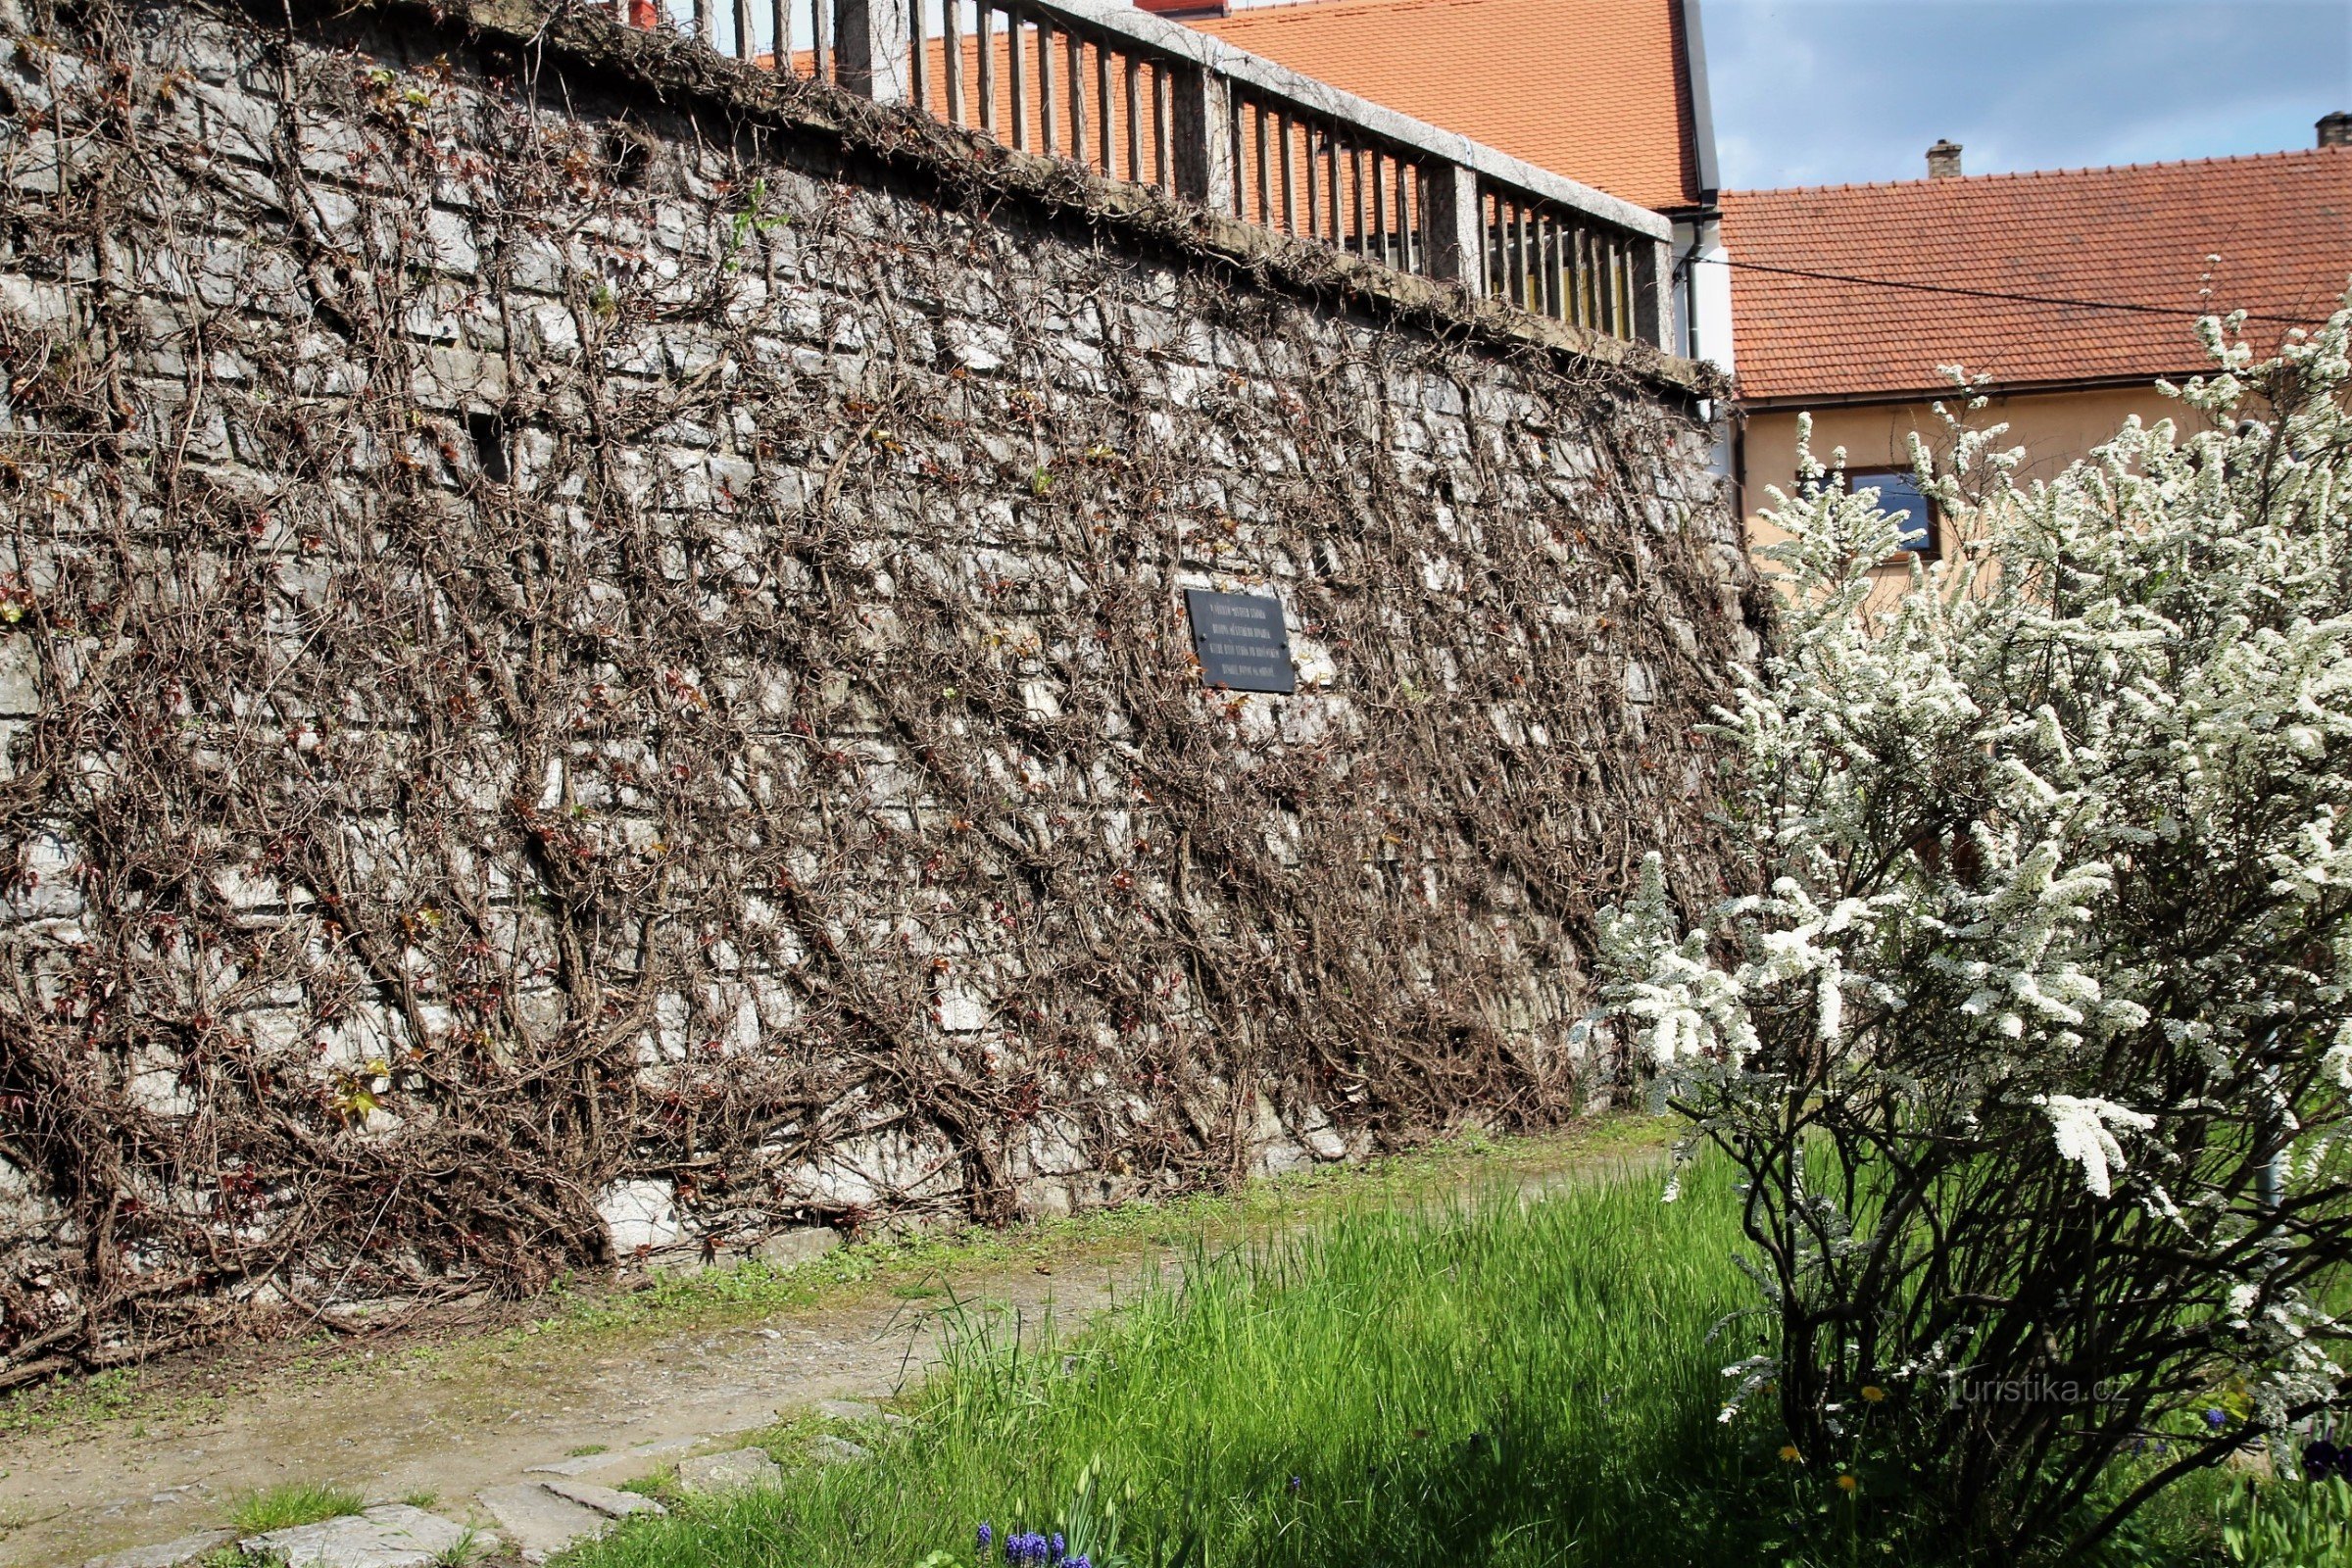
{"points": [[295, 1502], [2287, 1524], [461, 1552]]}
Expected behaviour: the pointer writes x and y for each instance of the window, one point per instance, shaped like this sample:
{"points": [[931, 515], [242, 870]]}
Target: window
{"points": [[1900, 499]]}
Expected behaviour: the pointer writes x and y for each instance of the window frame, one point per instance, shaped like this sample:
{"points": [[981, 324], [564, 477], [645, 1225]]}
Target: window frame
{"points": [[1929, 548]]}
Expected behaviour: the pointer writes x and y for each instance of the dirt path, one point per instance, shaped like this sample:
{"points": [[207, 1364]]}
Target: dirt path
{"points": [[454, 1418], [423, 1426]]}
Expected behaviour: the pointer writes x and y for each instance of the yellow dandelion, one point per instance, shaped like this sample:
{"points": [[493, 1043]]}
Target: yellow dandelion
{"points": [[1848, 1484], [1789, 1454], [1873, 1393]]}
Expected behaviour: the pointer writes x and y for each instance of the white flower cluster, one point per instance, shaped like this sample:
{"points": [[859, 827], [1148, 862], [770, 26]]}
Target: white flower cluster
{"points": [[2054, 834]]}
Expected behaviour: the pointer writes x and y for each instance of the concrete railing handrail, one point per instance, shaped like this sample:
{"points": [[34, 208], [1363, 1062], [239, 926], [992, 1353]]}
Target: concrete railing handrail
{"points": [[1210, 53], [1231, 129]]}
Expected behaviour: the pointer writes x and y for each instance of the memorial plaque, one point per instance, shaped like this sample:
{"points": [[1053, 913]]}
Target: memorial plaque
{"points": [[1240, 641]]}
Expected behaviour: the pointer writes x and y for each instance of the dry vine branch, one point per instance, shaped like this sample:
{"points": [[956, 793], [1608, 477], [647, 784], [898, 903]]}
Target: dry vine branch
{"points": [[583, 639]]}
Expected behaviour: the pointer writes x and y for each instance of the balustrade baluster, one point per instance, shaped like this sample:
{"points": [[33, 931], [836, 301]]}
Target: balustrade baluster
{"points": [[1337, 232], [1104, 118], [1489, 232], [1589, 299], [918, 64], [1380, 209], [1547, 275], [1163, 109], [1135, 120], [1015, 26], [1282, 140], [1264, 180], [1515, 252], [1074, 47], [1355, 185], [820, 39], [950, 33], [1405, 217], [780, 36], [987, 31], [1045, 86], [1315, 211], [705, 24], [1233, 153]]}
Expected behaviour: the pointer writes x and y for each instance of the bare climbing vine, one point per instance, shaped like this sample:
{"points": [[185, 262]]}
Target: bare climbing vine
{"points": [[597, 617]]}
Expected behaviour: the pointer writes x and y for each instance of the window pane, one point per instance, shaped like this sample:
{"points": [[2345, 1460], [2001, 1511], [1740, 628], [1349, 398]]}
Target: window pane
{"points": [[1899, 498]]}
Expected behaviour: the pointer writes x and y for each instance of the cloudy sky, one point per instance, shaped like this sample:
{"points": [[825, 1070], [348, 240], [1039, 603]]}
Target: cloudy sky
{"points": [[1818, 92]]}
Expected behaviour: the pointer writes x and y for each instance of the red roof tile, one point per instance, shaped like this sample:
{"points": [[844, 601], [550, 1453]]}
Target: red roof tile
{"points": [[2277, 229], [1593, 89]]}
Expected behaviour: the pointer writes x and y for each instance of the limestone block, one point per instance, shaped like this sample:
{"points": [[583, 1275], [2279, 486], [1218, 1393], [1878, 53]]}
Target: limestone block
{"points": [[640, 1214], [236, 123], [166, 1554], [1321, 1137], [610, 1502], [392, 1535], [20, 669], [801, 1243], [35, 304], [539, 1523], [46, 888]]}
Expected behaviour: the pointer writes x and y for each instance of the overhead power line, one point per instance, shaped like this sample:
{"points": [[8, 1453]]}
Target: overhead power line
{"points": [[1992, 293]]}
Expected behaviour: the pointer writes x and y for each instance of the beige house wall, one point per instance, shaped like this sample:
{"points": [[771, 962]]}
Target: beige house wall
{"points": [[2054, 428]]}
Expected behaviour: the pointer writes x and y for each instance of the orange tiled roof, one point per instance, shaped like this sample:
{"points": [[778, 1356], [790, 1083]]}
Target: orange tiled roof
{"points": [[1593, 89], [2280, 225]]}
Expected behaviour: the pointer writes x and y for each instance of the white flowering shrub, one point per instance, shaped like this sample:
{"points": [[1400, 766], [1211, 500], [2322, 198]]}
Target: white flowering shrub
{"points": [[2035, 1047]]}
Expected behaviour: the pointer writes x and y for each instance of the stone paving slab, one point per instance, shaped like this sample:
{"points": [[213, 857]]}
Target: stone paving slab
{"points": [[391, 1535], [538, 1523], [583, 1464], [610, 1502], [167, 1554]]}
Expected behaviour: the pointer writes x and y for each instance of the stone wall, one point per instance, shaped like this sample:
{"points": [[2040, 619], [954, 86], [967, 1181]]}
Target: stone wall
{"points": [[592, 655]]}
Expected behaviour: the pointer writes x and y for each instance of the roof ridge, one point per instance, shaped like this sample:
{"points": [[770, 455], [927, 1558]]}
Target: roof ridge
{"points": [[1283, 8], [2016, 174], [1261, 7]]}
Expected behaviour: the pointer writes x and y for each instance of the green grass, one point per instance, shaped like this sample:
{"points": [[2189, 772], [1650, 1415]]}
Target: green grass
{"points": [[2291, 1524], [296, 1502], [913, 1263], [1502, 1383], [588, 1313]]}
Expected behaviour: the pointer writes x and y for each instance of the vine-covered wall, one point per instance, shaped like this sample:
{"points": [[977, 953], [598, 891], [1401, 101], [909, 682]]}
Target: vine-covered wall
{"points": [[592, 653]]}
